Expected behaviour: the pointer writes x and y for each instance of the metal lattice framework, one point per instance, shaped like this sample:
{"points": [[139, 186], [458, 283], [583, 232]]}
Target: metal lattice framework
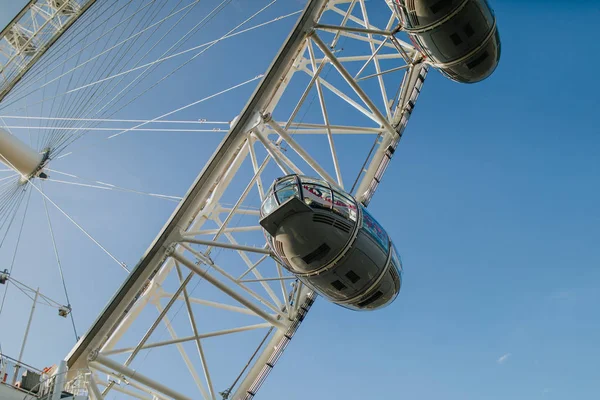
{"points": [[214, 237], [27, 37]]}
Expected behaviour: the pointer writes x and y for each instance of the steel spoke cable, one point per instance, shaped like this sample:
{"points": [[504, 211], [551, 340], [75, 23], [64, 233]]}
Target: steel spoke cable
{"points": [[132, 55], [10, 202], [104, 51], [125, 89], [108, 186], [205, 49], [59, 264], [59, 49], [170, 112], [192, 30], [54, 52], [199, 122], [96, 70], [121, 264], [200, 46], [28, 180], [66, 43], [67, 85], [61, 40], [187, 51], [93, 129], [110, 32], [15, 252]]}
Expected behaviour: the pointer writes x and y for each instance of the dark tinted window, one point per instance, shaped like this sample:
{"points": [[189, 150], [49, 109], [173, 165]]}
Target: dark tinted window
{"points": [[352, 276], [478, 60], [456, 39], [469, 30], [338, 285]]}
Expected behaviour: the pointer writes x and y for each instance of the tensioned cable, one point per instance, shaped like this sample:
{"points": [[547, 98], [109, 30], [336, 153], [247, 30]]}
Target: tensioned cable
{"points": [[81, 100], [28, 180], [92, 106], [113, 120], [201, 52], [156, 26], [199, 25], [60, 43], [121, 264], [58, 49], [108, 186], [172, 112], [166, 76], [109, 32], [51, 128], [207, 44], [15, 253], [214, 42], [192, 49], [59, 264]]}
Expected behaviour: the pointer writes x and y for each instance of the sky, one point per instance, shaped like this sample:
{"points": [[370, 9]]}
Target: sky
{"points": [[491, 199]]}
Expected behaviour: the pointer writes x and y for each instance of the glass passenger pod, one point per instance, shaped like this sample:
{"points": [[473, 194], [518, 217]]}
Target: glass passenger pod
{"points": [[338, 249]]}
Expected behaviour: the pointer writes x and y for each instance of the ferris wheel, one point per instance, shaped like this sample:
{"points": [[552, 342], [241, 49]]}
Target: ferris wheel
{"points": [[97, 90]]}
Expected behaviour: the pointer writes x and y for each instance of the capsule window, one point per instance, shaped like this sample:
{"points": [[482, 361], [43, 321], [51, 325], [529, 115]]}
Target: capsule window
{"points": [[269, 205], [456, 39], [352, 276], [374, 230], [338, 285], [317, 196], [344, 206], [396, 259], [284, 183], [478, 60], [374, 297], [469, 30], [286, 193], [317, 254]]}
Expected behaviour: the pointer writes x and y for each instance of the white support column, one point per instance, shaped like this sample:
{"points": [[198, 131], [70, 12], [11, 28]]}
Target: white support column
{"points": [[136, 376], [59, 381], [17, 155], [92, 387]]}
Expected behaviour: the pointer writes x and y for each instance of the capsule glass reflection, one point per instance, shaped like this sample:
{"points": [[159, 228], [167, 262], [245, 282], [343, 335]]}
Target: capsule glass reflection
{"points": [[331, 243]]}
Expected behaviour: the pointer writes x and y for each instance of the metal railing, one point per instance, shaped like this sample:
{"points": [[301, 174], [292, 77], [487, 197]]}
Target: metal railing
{"points": [[11, 370]]}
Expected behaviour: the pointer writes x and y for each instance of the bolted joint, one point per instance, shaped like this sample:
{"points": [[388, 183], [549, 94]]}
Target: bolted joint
{"points": [[267, 117], [93, 355]]}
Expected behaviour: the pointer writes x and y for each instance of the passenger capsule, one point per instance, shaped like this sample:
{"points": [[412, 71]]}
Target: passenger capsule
{"points": [[459, 36], [331, 243]]}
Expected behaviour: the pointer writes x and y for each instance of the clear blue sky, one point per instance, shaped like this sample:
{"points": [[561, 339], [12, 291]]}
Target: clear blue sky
{"points": [[492, 200]]}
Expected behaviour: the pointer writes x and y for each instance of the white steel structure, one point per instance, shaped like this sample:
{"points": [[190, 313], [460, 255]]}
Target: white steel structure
{"points": [[27, 37], [376, 87]]}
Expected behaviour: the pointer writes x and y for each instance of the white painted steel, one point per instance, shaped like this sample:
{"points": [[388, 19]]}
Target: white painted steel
{"points": [[258, 287], [136, 376], [17, 155], [33, 30]]}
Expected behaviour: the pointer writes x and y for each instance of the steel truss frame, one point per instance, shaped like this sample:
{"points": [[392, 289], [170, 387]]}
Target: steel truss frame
{"points": [[262, 137], [27, 37]]}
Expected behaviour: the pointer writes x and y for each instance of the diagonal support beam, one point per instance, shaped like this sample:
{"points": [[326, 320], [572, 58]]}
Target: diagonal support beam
{"points": [[136, 376], [230, 292], [357, 89]]}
